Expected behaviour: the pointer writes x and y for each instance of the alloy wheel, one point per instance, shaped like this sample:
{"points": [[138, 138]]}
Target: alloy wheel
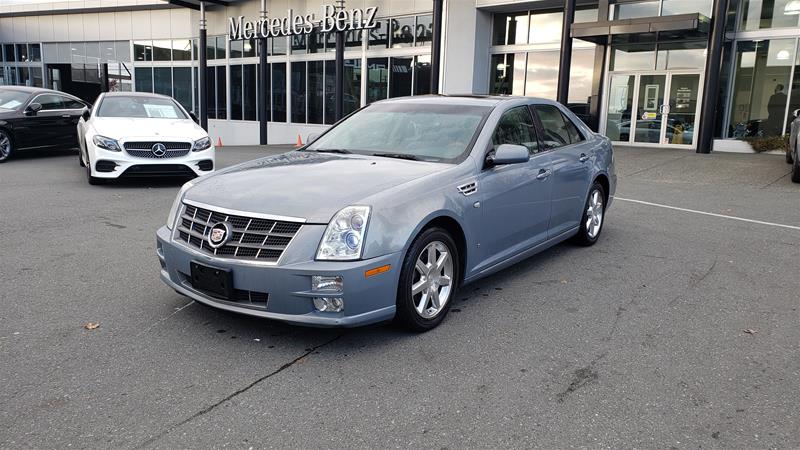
{"points": [[594, 214], [433, 280], [5, 146]]}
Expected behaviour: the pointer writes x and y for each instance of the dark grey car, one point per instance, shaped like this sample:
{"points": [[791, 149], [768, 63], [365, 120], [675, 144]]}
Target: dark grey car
{"points": [[793, 150], [390, 211]]}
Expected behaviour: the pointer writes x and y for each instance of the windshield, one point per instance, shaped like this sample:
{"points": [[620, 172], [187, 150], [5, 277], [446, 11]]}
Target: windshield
{"points": [[427, 132], [12, 99], [144, 107]]}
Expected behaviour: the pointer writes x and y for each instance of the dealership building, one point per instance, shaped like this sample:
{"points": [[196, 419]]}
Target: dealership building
{"points": [[697, 74]]}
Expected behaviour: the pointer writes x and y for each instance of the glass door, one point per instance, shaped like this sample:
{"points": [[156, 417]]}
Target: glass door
{"points": [[650, 109], [619, 107], [681, 109]]}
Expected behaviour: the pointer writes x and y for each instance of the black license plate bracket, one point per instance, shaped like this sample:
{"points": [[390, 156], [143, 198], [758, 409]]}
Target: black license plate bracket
{"points": [[214, 280]]}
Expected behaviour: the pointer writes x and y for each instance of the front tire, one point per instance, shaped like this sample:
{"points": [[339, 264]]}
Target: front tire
{"points": [[80, 155], [428, 281], [593, 216], [796, 169], [94, 181], [6, 146]]}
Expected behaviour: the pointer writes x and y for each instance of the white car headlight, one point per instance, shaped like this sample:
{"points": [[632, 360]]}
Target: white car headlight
{"points": [[344, 238], [176, 205], [201, 144], [106, 143]]}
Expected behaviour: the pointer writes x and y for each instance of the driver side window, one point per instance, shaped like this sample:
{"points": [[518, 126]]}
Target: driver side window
{"points": [[49, 101], [516, 127]]}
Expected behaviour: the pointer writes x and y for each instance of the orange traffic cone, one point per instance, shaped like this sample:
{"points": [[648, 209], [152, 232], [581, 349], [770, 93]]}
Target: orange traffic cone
{"points": [[299, 141], [219, 142]]}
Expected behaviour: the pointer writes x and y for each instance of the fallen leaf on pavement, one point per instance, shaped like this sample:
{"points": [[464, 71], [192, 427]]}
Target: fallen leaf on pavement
{"points": [[91, 325], [749, 331]]}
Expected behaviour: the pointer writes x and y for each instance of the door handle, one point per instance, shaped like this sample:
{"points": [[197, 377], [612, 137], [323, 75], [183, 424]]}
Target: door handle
{"points": [[543, 174], [66, 116], [583, 157]]}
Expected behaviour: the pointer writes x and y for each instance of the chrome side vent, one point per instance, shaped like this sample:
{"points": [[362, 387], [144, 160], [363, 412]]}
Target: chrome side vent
{"points": [[469, 188]]}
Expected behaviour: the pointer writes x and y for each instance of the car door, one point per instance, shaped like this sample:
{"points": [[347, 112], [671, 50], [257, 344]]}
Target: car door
{"points": [[515, 197], [571, 170], [46, 127], [71, 114]]}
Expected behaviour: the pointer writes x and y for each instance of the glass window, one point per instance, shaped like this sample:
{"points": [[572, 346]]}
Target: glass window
{"points": [[761, 77], [220, 44], [162, 50], [681, 55], [330, 92], [123, 51], [182, 50], [760, 14], [22, 52], [545, 27], [299, 44], [143, 51], [249, 91], [672, 7], [428, 132], [516, 127], [71, 103], [50, 101], [92, 52], [222, 105], [508, 74], [402, 32], [353, 39], [542, 78], [8, 49], [36, 76], [162, 80], [182, 86], [78, 52], [316, 42], [586, 15], [330, 42], [400, 78], [249, 47], [422, 74], [316, 96], [352, 85], [633, 57], [581, 74], [298, 97], [236, 90], [510, 29], [211, 90], [236, 49], [424, 33], [554, 127], [210, 48], [379, 36], [634, 10], [377, 79], [144, 79], [279, 92], [278, 45]]}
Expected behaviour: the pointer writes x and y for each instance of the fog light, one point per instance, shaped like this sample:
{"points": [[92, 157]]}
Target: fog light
{"points": [[322, 283], [328, 304]]}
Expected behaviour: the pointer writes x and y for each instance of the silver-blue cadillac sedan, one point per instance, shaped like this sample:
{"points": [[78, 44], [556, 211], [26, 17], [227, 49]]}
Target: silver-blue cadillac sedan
{"points": [[390, 211]]}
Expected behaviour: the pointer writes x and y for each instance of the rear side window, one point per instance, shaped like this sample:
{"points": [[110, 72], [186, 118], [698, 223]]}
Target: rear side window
{"points": [[50, 101], [558, 130], [516, 127], [72, 104]]}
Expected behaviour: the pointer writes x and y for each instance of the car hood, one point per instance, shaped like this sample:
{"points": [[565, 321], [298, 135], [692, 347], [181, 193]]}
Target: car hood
{"points": [[126, 128], [8, 113], [308, 185]]}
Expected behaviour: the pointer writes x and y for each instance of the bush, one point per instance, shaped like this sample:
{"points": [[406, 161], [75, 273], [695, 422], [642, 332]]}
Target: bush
{"points": [[767, 143]]}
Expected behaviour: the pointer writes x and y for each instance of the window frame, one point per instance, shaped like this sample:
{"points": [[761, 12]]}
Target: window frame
{"points": [[536, 130], [564, 117]]}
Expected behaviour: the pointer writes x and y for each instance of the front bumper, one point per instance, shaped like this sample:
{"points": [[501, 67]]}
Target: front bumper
{"points": [[109, 164], [290, 298]]}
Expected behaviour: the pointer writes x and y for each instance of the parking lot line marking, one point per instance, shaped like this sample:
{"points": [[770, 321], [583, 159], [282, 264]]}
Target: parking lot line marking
{"points": [[723, 216]]}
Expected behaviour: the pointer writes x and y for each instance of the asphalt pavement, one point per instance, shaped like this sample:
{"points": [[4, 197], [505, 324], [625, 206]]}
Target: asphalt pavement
{"points": [[679, 329]]}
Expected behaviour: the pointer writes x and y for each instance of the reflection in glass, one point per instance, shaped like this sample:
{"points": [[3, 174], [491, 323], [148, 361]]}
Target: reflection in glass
{"points": [[222, 108], [377, 79], [422, 74], [211, 90], [649, 109], [581, 74], [542, 76], [22, 52], [400, 80], [236, 49], [761, 77], [510, 29], [620, 105], [236, 89], [508, 74], [298, 44], [182, 86], [672, 7], [633, 57], [279, 92], [220, 43], [298, 97], [545, 27], [424, 30], [143, 51], [402, 32], [682, 109], [144, 79], [181, 50], [761, 14], [379, 36], [162, 80], [162, 50], [35, 53], [634, 10], [316, 98], [249, 93]]}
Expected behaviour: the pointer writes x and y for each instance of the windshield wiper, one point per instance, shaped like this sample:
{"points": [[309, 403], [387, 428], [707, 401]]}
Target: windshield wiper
{"points": [[341, 151], [397, 155]]}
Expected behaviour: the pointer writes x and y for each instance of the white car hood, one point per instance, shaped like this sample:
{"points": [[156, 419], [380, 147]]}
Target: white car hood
{"points": [[124, 128]]}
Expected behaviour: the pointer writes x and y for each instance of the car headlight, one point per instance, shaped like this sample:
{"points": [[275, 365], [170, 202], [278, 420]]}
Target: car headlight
{"points": [[176, 205], [106, 143], [201, 144], [344, 238]]}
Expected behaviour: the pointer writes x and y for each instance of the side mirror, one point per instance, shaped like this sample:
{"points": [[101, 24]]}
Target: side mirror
{"points": [[196, 120], [33, 108], [86, 114], [508, 154], [312, 137], [796, 113]]}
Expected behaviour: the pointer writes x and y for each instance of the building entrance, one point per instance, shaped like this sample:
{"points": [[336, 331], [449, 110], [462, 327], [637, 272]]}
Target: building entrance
{"points": [[653, 108]]}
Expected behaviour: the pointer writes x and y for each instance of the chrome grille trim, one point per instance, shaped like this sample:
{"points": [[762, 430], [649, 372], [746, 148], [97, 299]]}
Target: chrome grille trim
{"points": [[253, 238], [147, 145], [149, 154]]}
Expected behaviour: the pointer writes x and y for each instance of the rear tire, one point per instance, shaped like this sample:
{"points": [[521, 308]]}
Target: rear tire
{"points": [[796, 169], [593, 216], [6, 146], [429, 281]]}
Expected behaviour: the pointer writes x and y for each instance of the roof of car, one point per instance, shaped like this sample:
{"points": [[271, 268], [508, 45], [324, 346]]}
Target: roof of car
{"points": [[460, 99], [32, 90], [134, 94]]}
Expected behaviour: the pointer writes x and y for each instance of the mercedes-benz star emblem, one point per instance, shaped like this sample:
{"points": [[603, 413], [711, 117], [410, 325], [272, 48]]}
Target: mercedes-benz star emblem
{"points": [[159, 149], [219, 234]]}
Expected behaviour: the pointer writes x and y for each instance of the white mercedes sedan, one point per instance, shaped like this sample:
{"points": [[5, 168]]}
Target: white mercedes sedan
{"points": [[129, 134]]}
